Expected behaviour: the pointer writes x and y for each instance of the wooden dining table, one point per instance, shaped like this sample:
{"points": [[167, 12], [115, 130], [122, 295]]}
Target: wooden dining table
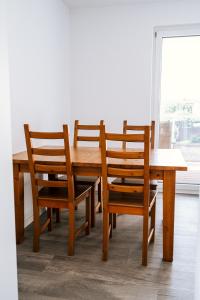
{"points": [[164, 163]]}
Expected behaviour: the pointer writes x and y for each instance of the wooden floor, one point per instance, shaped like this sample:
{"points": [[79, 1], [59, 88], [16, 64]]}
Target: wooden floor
{"points": [[52, 275]]}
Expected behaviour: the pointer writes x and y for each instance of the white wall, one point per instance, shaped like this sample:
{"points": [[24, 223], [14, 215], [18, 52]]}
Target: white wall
{"points": [[8, 270], [39, 65], [39, 70], [112, 57]]}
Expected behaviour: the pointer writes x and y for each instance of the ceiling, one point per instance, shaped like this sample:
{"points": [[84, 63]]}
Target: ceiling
{"points": [[95, 3]]}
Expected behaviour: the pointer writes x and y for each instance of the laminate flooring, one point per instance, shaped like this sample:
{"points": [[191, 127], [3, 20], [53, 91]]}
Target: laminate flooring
{"points": [[52, 275]]}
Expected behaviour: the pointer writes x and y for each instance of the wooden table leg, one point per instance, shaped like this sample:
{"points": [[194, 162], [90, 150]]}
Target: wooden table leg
{"points": [[19, 202], [169, 181]]}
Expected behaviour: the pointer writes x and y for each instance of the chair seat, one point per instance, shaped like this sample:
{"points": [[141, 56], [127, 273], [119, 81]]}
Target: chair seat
{"points": [[88, 179], [62, 193], [130, 199], [128, 181], [92, 181], [84, 179]]}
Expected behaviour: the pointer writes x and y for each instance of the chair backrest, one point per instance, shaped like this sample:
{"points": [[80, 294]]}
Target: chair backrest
{"points": [[86, 138], [127, 128], [122, 163], [44, 161]]}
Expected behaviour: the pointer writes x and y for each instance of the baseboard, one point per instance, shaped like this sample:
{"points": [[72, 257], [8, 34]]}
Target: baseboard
{"points": [[182, 188], [29, 219]]}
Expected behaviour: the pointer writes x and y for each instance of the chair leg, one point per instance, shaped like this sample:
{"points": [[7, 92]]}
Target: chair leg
{"points": [[114, 221], [153, 221], [93, 209], [88, 214], [105, 234], [100, 196], [49, 216], [71, 239], [111, 224], [145, 239], [57, 215], [36, 225]]}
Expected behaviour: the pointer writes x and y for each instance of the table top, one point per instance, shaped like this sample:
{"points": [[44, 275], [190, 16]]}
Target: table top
{"points": [[161, 159]]}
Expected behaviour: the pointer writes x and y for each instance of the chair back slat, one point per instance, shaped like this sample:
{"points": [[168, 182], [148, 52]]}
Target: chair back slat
{"points": [[125, 155], [88, 138], [119, 172], [51, 183], [134, 127], [125, 188], [88, 127], [85, 138], [42, 161], [48, 152], [50, 169], [127, 138], [46, 135]]}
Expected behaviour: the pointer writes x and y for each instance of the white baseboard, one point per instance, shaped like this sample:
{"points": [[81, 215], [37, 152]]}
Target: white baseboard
{"points": [[182, 188], [29, 219]]}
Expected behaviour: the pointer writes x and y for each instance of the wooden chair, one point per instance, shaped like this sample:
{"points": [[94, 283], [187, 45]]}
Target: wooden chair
{"points": [[127, 199], [91, 180], [133, 128], [53, 193]]}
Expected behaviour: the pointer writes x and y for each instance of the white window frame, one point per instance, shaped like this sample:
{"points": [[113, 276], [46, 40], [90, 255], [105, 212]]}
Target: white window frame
{"points": [[159, 34]]}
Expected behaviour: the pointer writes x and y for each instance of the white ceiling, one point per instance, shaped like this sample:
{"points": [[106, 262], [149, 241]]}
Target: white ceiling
{"points": [[95, 3]]}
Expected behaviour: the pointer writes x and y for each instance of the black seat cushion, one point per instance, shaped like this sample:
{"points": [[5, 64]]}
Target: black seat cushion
{"points": [[130, 199], [61, 193], [83, 179]]}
